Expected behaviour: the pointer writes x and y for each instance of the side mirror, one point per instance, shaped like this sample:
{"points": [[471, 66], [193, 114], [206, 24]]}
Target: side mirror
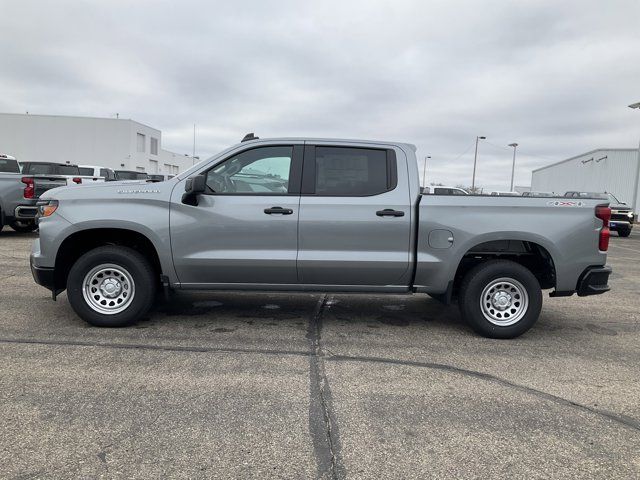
{"points": [[192, 188]]}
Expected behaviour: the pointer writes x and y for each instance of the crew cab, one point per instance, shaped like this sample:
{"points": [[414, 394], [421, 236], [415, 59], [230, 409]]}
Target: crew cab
{"points": [[622, 215], [303, 215]]}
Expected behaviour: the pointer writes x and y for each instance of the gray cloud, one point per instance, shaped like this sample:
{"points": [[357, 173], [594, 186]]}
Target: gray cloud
{"points": [[555, 77]]}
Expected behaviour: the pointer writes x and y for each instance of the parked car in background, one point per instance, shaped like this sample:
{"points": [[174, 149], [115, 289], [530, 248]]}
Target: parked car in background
{"points": [[8, 164], [69, 171], [316, 215], [157, 177], [622, 215], [507, 193], [443, 190], [19, 195], [98, 174], [538, 194], [130, 175]]}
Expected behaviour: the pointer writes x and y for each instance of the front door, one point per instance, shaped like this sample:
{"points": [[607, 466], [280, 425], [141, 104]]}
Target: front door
{"points": [[355, 217], [244, 228]]}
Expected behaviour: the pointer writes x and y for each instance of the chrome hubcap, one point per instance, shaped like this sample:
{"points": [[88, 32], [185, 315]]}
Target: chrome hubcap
{"points": [[504, 301], [108, 289]]}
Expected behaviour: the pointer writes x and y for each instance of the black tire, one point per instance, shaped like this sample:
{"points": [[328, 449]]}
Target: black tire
{"points": [[624, 233], [126, 261], [524, 308], [23, 226]]}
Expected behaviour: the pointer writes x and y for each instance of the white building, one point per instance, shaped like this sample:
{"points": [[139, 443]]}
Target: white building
{"points": [[108, 142], [613, 170]]}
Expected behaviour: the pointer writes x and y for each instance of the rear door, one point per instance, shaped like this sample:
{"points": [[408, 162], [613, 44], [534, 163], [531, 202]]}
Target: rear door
{"points": [[244, 229], [355, 216]]}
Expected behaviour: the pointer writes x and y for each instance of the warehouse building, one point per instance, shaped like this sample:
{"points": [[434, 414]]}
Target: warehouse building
{"points": [[612, 170], [108, 142]]}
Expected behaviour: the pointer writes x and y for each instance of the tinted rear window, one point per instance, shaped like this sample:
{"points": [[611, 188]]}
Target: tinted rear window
{"points": [[68, 170], [351, 171], [9, 165], [120, 175], [39, 168]]}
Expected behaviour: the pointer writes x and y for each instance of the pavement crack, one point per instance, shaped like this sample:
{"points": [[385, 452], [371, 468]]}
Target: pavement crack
{"points": [[322, 422], [142, 346], [621, 419]]}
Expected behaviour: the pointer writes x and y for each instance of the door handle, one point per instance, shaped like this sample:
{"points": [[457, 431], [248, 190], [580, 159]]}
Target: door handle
{"points": [[278, 210], [390, 212]]}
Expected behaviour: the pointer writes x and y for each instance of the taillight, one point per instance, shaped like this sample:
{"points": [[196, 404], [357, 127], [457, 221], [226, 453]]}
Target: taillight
{"points": [[77, 180], [29, 190], [604, 213]]}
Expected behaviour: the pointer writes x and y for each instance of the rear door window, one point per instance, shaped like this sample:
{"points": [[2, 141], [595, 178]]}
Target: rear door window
{"points": [[350, 171]]}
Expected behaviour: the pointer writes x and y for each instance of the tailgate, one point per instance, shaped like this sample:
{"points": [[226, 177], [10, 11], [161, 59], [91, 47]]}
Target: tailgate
{"points": [[44, 183]]}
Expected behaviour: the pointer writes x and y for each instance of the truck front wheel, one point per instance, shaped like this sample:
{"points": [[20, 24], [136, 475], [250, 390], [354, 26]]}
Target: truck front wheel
{"points": [[111, 286], [500, 299]]}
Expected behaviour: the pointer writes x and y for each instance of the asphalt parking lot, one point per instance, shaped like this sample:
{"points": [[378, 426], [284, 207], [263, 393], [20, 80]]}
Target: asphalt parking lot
{"points": [[228, 385]]}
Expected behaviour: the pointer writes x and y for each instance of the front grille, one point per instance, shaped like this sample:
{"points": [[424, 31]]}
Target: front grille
{"points": [[621, 216]]}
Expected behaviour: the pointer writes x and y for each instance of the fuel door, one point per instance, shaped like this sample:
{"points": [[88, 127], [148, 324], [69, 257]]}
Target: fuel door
{"points": [[440, 238]]}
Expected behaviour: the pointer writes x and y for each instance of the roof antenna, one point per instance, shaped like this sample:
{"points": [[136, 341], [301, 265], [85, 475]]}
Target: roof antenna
{"points": [[249, 136]]}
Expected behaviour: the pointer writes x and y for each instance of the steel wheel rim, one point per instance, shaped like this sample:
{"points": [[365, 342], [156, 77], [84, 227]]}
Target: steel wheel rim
{"points": [[108, 289], [504, 301]]}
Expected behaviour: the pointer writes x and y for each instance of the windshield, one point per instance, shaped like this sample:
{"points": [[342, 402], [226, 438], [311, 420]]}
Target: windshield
{"points": [[613, 199], [9, 165]]}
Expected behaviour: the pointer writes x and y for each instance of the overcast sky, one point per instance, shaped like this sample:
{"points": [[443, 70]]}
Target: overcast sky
{"points": [[556, 77]]}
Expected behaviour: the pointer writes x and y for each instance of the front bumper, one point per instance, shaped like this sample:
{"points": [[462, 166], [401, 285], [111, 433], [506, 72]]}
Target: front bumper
{"points": [[620, 225], [44, 276], [594, 281], [26, 212]]}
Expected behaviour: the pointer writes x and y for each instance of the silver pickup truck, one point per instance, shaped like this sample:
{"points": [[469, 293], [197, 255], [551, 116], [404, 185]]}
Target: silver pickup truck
{"points": [[18, 197], [317, 215]]}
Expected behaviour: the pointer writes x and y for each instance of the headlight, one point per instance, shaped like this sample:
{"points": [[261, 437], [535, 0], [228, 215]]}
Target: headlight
{"points": [[47, 207]]}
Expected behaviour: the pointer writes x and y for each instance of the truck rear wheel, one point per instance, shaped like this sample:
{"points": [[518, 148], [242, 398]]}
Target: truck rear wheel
{"points": [[500, 299], [111, 286]]}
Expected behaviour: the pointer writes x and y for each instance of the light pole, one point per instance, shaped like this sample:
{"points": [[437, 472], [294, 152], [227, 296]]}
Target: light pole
{"points": [[475, 161], [424, 172], [635, 187], [513, 165]]}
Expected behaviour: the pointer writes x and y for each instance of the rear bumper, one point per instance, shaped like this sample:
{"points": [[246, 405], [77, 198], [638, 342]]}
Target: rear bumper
{"points": [[594, 281], [26, 212]]}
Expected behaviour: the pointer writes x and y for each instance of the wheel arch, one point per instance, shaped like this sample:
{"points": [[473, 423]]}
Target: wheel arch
{"points": [[534, 253], [82, 241]]}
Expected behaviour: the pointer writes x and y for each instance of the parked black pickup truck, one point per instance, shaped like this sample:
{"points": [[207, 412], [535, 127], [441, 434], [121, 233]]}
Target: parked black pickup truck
{"points": [[621, 214]]}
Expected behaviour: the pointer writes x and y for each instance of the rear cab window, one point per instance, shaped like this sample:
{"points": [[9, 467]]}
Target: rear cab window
{"points": [[8, 165]]}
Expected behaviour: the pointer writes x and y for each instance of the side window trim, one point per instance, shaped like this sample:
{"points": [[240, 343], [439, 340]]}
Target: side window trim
{"points": [[309, 171], [295, 172]]}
